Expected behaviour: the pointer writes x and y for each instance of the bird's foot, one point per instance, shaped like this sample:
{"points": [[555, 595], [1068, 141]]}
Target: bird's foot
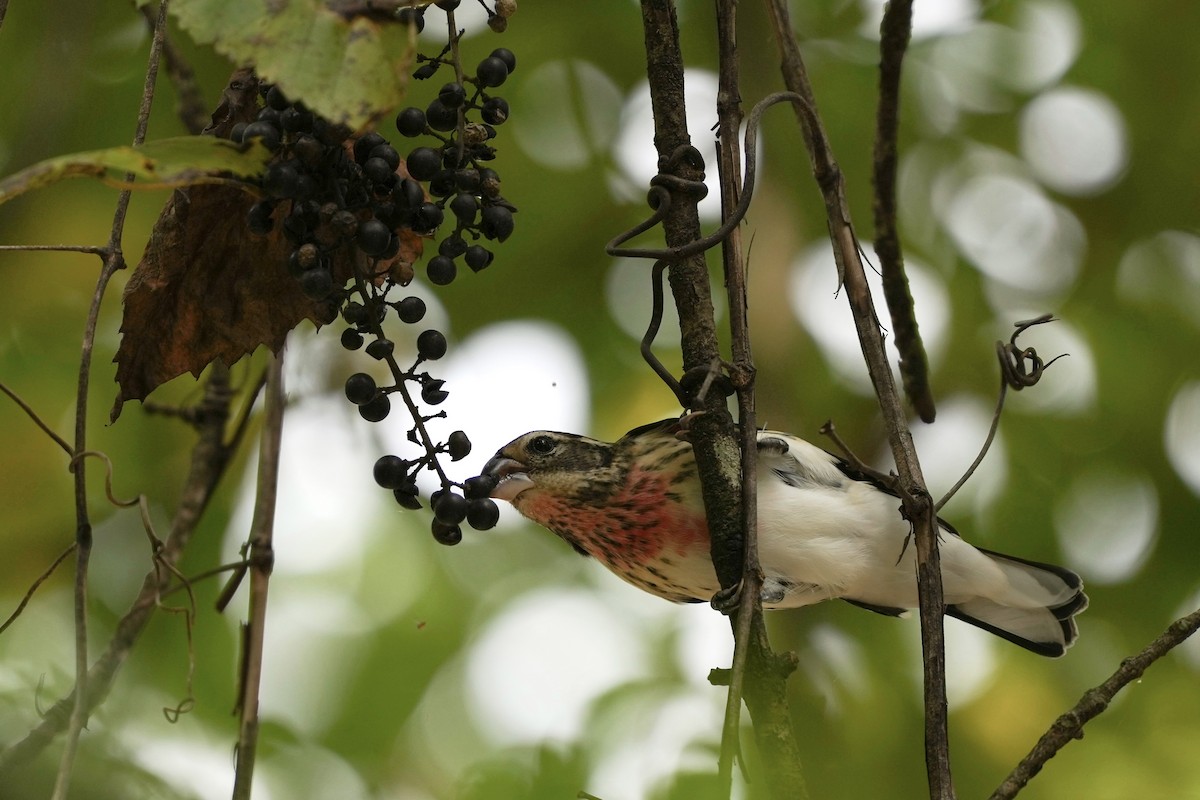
{"points": [[727, 600], [772, 593]]}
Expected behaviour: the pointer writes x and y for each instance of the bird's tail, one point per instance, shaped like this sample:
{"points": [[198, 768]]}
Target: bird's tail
{"points": [[1039, 613]]}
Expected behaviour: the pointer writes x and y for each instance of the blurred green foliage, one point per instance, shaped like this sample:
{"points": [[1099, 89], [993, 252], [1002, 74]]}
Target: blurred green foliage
{"points": [[378, 677]]}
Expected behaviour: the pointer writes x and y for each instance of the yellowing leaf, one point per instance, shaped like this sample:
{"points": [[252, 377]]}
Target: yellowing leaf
{"points": [[166, 163]]}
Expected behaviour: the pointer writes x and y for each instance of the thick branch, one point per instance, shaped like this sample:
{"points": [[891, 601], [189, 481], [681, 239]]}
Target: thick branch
{"points": [[918, 507]]}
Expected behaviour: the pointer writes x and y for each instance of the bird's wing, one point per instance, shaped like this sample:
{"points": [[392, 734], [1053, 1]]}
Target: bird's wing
{"points": [[798, 463]]}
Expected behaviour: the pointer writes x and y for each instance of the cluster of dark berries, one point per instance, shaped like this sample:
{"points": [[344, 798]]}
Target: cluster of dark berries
{"points": [[331, 196], [451, 509], [462, 121], [346, 205]]}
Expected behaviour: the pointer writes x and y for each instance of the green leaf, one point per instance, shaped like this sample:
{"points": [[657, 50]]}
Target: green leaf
{"points": [[341, 68], [166, 163]]}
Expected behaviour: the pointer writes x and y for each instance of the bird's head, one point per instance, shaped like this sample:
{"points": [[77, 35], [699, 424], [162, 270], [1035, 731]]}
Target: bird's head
{"points": [[562, 464]]}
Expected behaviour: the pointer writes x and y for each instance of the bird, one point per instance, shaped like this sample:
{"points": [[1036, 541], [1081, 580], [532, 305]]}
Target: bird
{"points": [[826, 530]]}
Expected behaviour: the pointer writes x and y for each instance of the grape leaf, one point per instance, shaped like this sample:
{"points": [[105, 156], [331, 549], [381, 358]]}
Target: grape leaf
{"points": [[341, 66], [166, 163]]}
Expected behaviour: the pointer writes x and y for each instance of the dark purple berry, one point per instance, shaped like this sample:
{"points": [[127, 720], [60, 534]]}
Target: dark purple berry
{"points": [[447, 5], [411, 309], [377, 409], [495, 111], [458, 446], [276, 99], [431, 344], [380, 349], [441, 270], [449, 508], [425, 71], [365, 144], [428, 217], [479, 486], [351, 339], [295, 119], [440, 116], [482, 514], [478, 257], [409, 194], [355, 313], [377, 171], [432, 392], [423, 163], [452, 246], [373, 237], [265, 132], [308, 150], [316, 283], [452, 95], [449, 535], [496, 222], [464, 206], [360, 388], [442, 184], [507, 56], [388, 154], [467, 180], [492, 71], [391, 472], [406, 498], [281, 180], [410, 122]]}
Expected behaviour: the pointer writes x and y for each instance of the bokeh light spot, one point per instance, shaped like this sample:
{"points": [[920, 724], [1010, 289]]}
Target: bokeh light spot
{"points": [[568, 113], [1107, 524], [1182, 434], [1074, 139]]}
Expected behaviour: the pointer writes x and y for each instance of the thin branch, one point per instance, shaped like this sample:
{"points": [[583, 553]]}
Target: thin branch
{"points": [[261, 558], [1069, 726], [61, 442], [894, 33], [918, 506], [113, 261], [34, 587], [60, 248], [190, 106]]}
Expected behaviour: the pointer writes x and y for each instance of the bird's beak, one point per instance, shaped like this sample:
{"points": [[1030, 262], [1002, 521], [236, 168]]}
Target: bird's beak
{"points": [[513, 476]]}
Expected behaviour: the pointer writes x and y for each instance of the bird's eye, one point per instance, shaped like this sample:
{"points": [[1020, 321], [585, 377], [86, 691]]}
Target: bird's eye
{"points": [[541, 445]]}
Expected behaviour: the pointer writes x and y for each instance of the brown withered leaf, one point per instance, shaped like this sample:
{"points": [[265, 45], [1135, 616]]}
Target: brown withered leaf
{"points": [[207, 289]]}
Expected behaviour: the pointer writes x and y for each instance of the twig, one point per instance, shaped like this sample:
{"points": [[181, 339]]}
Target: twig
{"points": [[918, 507], [210, 456], [59, 248], [114, 260], [61, 442], [894, 33], [1069, 726], [34, 587], [261, 559], [192, 109]]}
